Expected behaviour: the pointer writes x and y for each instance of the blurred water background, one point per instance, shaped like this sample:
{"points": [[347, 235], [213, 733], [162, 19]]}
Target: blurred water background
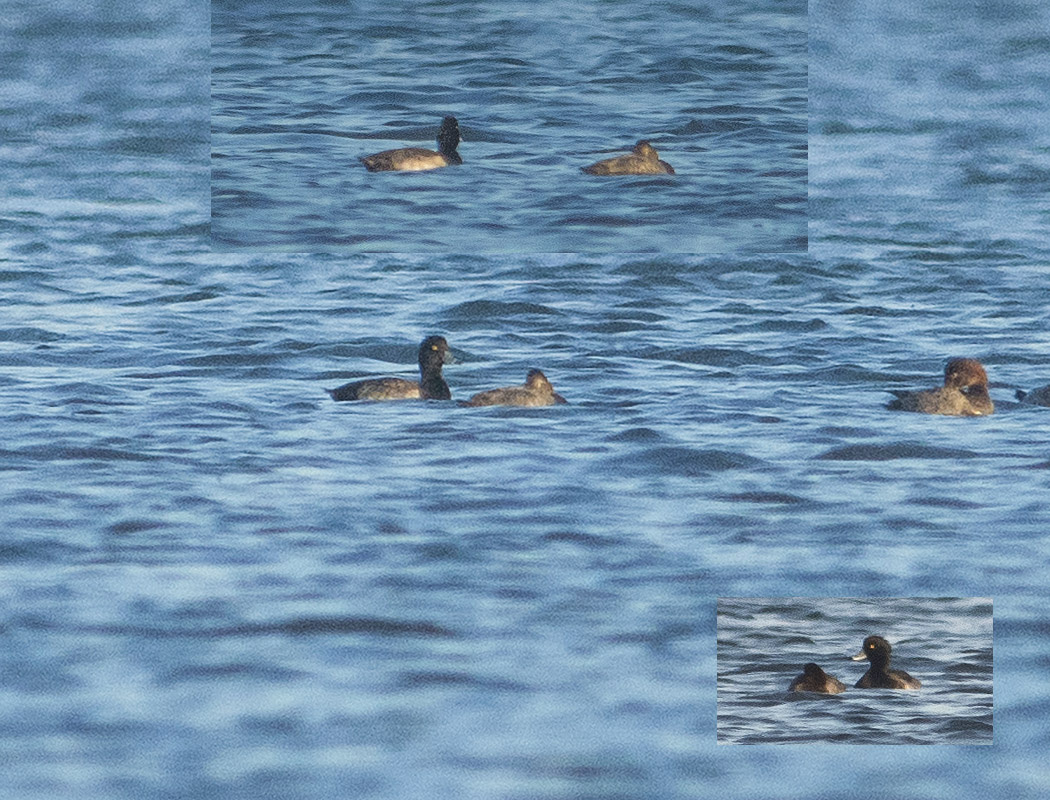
{"points": [[218, 583]]}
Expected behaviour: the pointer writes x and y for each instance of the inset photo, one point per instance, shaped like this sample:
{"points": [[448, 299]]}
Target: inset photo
{"points": [[456, 127], [855, 670]]}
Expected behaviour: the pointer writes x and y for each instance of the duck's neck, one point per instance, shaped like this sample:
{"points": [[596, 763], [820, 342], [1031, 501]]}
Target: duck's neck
{"points": [[433, 387]]}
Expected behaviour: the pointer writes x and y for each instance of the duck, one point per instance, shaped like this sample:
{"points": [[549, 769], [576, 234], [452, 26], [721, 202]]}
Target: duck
{"points": [[964, 394], [642, 160], [814, 679], [1036, 397], [433, 354], [536, 391], [416, 159], [879, 676]]}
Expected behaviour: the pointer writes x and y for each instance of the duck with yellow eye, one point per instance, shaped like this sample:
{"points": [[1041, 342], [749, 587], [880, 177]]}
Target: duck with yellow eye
{"points": [[876, 651], [433, 354]]}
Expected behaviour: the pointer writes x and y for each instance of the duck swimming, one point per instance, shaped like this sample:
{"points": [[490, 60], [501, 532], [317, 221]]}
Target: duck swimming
{"points": [[416, 159], [1036, 397], [536, 391], [433, 354], [814, 679], [642, 160], [964, 394], [879, 676]]}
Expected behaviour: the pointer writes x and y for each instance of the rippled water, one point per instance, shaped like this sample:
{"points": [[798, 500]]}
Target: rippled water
{"points": [[720, 90], [763, 644], [219, 583]]}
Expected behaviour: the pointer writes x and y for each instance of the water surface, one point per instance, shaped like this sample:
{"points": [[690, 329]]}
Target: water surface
{"points": [[219, 583]]}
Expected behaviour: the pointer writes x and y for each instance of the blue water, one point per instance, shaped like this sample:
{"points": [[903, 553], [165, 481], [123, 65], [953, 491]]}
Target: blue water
{"points": [[763, 644], [539, 91], [217, 583]]}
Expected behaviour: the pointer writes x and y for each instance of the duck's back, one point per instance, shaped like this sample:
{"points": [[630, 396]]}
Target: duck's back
{"points": [[629, 165], [405, 159], [825, 685], [642, 160], [889, 679], [536, 391], [378, 389], [511, 396], [944, 400]]}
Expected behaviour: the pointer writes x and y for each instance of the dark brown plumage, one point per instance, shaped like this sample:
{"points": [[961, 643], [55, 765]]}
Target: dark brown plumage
{"points": [[415, 159], [964, 394], [433, 354]]}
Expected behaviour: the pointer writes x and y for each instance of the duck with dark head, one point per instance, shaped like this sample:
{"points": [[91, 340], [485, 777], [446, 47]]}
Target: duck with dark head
{"points": [[433, 354], [417, 159]]}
